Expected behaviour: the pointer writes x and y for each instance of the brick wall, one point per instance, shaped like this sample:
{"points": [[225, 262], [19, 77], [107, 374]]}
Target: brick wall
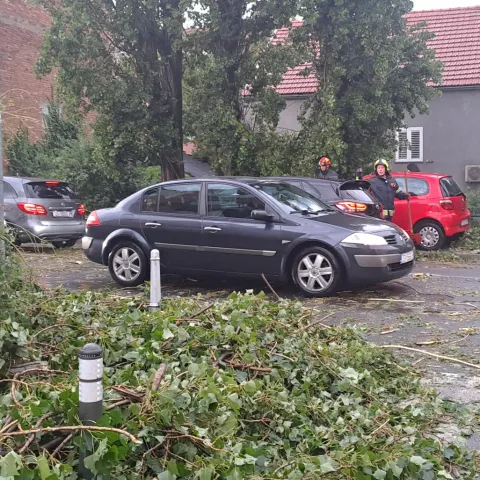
{"points": [[22, 95]]}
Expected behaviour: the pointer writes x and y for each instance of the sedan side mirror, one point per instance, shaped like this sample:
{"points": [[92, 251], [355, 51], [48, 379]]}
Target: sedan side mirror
{"points": [[261, 215]]}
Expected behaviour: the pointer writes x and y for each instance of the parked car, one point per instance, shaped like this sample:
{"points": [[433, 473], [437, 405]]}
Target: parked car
{"points": [[43, 210], [245, 227], [352, 196], [438, 205]]}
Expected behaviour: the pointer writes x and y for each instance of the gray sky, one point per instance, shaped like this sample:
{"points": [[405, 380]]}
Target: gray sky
{"points": [[436, 4]]}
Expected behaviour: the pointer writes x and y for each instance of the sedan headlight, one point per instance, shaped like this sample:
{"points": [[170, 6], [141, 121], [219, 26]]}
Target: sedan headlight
{"points": [[365, 239]]}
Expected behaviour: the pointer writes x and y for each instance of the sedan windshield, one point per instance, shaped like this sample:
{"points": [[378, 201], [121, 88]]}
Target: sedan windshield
{"points": [[296, 199]]}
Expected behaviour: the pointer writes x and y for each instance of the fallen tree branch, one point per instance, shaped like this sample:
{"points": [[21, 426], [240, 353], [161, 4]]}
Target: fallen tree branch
{"points": [[248, 367], [394, 300], [70, 428], [271, 288], [64, 442], [316, 322], [203, 310], [158, 377], [386, 332], [32, 437], [424, 352], [125, 401], [137, 397]]}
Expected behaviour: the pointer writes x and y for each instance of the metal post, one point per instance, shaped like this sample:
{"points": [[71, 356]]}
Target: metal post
{"points": [[90, 395], [155, 281], [2, 193]]}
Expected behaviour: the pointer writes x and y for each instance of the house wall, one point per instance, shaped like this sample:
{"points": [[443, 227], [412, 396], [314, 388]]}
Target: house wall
{"points": [[451, 132], [22, 96]]}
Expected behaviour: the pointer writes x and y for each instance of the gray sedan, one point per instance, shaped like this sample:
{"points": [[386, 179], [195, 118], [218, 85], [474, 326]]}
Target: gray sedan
{"points": [[245, 227]]}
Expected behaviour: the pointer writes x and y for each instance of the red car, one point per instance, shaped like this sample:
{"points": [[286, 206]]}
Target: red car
{"points": [[438, 206]]}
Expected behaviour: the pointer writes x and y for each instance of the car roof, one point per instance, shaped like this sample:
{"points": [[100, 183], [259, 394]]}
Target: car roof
{"points": [[31, 179], [250, 180], [421, 174]]}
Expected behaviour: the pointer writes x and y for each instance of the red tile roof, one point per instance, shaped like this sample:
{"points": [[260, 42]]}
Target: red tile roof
{"points": [[457, 45]]}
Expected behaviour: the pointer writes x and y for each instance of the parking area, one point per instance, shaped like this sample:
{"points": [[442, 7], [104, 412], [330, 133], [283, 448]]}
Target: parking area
{"points": [[435, 309]]}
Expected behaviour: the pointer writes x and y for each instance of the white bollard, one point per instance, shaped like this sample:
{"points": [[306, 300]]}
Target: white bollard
{"points": [[90, 394], [155, 281]]}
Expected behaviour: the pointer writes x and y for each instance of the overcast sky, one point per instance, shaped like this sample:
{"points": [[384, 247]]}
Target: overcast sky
{"points": [[435, 4]]}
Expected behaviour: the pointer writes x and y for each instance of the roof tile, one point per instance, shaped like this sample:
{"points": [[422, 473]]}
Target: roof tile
{"points": [[457, 45]]}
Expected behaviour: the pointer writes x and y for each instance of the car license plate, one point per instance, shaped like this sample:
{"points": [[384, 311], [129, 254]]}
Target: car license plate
{"points": [[464, 222], [406, 257], [63, 213]]}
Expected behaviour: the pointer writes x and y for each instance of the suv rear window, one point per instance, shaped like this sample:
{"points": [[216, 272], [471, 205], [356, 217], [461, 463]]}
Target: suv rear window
{"points": [[53, 190], [450, 187]]}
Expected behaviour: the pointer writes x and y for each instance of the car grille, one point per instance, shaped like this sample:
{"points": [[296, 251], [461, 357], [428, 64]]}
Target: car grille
{"points": [[395, 267], [391, 239]]}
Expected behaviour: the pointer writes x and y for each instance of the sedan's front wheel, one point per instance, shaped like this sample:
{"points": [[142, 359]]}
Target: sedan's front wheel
{"points": [[316, 272], [128, 264]]}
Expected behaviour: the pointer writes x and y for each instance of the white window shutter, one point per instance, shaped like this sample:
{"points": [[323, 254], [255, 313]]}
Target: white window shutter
{"points": [[410, 145], [402, 150], [416, 144]]}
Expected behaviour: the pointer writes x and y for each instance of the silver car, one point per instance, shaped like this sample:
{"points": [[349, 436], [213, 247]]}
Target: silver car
{"points": [[43, 210]]}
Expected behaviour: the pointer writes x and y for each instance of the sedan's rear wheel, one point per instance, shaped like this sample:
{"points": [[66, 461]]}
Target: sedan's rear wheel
{"points": [[316, 272], [128, 264]]}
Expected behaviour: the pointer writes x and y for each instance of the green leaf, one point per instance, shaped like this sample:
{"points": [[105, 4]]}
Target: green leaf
{"points": [[43, 467], [205, 474], [327, 464], [380, 474], [96, 455], [417, 460], [9, 464]]}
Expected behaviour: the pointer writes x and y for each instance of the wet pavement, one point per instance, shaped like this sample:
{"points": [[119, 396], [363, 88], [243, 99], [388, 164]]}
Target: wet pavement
{"points": [[435, 309]]}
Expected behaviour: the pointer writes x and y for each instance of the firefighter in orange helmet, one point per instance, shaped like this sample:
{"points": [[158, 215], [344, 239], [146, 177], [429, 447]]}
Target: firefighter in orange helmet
{"points": [[324, 169]]}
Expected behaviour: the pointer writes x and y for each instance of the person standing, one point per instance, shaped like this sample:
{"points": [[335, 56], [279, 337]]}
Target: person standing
{"points": [[386, 188], [324, 169]]}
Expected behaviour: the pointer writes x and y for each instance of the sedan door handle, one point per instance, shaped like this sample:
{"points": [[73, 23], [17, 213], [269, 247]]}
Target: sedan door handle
{"points": [[153, 224], [212, 229]]}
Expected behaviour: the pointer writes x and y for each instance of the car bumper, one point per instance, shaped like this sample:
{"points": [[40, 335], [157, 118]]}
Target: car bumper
{"points": [[92, 248], [368, 265], [456, 224], [51, 232]]}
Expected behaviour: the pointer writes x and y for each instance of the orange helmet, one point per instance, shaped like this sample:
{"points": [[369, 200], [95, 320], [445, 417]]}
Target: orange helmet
{"points": [[324, 161]]}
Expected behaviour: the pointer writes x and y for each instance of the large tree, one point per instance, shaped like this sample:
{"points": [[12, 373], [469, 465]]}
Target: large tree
{"points": [[231, 109], [371, 69], [123, 59]]}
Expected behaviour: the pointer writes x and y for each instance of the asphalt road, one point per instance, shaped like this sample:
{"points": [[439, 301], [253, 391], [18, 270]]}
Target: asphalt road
{"points": [[435, 309]]}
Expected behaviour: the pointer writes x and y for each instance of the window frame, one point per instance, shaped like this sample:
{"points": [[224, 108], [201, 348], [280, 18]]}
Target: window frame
{"points": [[409, 158], [143, 197], [8, 186]]}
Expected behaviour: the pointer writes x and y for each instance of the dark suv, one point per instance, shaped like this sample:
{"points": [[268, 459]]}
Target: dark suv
{"points": [[351, 196], [43, 210]]}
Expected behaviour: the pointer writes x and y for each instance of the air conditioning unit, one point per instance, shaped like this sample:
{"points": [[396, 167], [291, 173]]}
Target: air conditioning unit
{"points": [[472, 173]]}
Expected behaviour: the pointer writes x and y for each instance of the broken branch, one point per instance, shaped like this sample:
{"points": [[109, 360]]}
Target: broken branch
{"points": [[158, 377], [271, 288], [316, 322], [424, 352], [70, 428]]}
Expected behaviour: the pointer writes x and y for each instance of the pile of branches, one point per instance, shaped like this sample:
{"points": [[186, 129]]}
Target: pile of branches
{"points": [[245, 388]]}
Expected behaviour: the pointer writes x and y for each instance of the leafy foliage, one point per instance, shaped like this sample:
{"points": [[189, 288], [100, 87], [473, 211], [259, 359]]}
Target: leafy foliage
{"points": [[371, 70], [124, 60], [231, 109], [245, 394]]}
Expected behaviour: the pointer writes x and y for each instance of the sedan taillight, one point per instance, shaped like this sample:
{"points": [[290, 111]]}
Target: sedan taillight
{"points": [[32, 208], [352, 207], [92, 220], [81, 209]]}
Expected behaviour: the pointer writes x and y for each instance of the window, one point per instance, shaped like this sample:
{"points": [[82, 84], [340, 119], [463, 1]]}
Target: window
{"points": [[450, 187], [8, 191], [232, 202], [410, 145], [150, 200], [55, 190], [416, 186], [180, 199]]}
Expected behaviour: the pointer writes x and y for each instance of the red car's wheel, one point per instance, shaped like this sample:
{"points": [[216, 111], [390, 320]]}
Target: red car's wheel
{"points": [[431, 233]]}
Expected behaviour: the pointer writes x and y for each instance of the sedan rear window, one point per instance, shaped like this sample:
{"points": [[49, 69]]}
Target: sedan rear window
{"points": [[356, 194], [52, 190], [450, 187]]}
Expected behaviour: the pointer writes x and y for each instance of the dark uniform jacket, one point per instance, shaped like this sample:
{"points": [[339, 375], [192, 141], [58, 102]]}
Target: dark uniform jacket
{"points": [[386, 190], [328, 174]]}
